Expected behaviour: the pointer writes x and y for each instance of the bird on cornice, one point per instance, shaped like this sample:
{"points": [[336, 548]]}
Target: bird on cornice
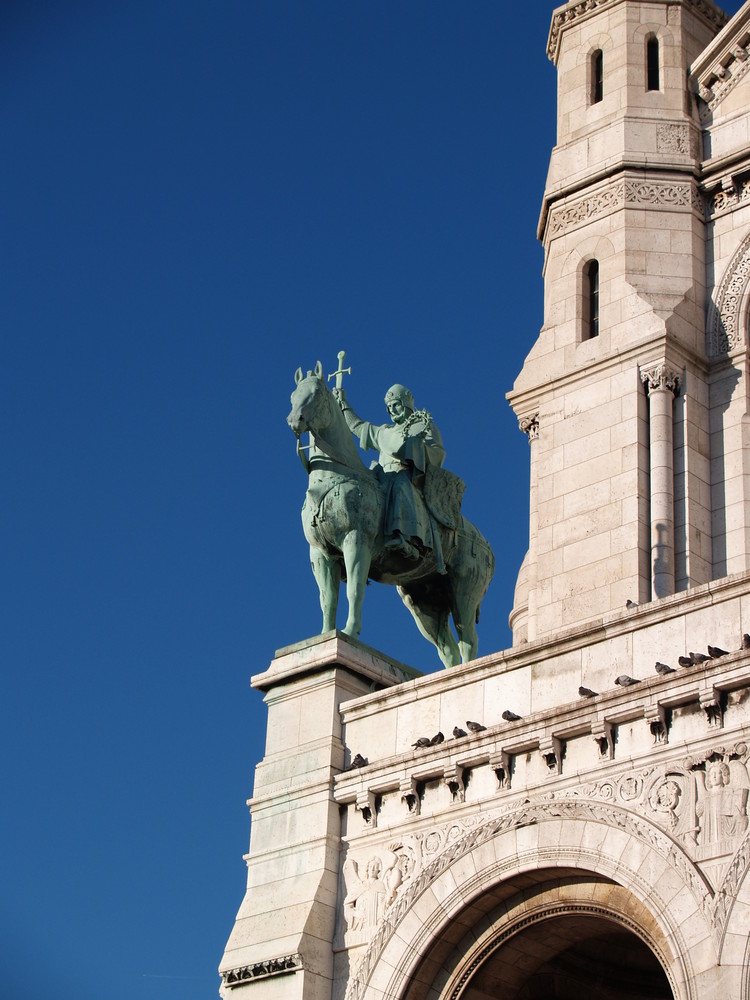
{"points": [[357, 761], [716, 651], [510, 716], [475, 727], [458, 732], [437, 738], [585, 692], [625, 681], [746, 640], [663, 668]]}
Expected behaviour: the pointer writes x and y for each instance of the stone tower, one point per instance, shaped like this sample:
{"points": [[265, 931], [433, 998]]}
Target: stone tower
{"points": [[618, 395]]}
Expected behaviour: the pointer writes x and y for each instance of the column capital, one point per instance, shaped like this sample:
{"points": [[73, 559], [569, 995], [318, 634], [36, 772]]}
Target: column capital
{"points": [[661, 376], [530, 426]]}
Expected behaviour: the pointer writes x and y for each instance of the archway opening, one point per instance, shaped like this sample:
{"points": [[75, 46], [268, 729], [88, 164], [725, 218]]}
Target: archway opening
{"points": [[571, 957]]}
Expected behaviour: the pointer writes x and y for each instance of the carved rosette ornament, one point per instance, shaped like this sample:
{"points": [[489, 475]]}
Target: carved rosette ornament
{"points": [[530, 426], [661, 376]]}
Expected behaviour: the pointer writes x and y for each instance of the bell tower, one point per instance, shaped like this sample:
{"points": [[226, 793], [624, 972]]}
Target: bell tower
{"points": [[613, 395]]}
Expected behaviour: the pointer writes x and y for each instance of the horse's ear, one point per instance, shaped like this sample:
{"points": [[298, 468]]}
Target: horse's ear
{"points": [[298, 376], [318, 370]]}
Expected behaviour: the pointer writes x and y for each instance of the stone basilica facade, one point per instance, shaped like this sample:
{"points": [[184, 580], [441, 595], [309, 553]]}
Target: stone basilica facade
{"points": [[595, 841]]}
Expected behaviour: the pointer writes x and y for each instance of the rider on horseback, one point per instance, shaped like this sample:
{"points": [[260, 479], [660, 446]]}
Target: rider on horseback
{"points": [[407, 447]]}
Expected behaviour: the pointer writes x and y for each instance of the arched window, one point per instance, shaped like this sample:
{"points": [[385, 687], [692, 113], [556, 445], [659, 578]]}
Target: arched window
{"points": [[652, 63], [597, 76], [590, 325]]}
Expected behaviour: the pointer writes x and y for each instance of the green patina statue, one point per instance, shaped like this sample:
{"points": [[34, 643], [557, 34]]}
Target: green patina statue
{"points": [[398, 522]]}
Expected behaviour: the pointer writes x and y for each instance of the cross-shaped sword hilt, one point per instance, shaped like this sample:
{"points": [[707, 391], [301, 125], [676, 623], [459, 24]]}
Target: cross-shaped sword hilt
{"points": [[340, 371]]}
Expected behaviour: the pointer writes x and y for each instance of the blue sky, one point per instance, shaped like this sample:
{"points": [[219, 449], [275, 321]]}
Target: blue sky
{"points": [[196, 199]]}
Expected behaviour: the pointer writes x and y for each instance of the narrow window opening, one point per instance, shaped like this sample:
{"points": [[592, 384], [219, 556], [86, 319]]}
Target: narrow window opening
{"points": [[597, 77], [591, 300], [652, 64]]}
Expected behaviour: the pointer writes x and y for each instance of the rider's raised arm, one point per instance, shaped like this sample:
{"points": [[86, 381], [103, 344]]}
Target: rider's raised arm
{"points": [[353, 422]]}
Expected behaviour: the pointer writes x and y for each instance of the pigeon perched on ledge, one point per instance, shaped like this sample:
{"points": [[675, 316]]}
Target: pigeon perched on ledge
{"points": [[716, 651], [475, 727], [422, 742], [357, 761], [631, 604], [624, 681], [586, 692], [458, 732], [437, 738], [510, 716], [663, 668], [746, 640]]}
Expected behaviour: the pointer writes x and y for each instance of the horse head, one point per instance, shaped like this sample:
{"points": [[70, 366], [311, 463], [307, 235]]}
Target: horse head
{"points": [[310, 402]]}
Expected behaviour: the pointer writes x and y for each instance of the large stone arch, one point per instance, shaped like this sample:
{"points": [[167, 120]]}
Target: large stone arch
{"points": [[554, 840]]}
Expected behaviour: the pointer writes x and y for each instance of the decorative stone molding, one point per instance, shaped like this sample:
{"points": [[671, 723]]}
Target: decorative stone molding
{"points": [[410, 795], [723, 333], [454, 779], [551, 751], [262, 970], [716, 83], [602, 735], [710, 702], [365, 804], [661, 376], [530, 426], [656, 717], [502, 766], [574, 13]]}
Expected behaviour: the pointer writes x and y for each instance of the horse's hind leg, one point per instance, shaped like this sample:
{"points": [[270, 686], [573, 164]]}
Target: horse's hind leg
{"points": [[468, 640], [465, 613], [327, 574], [434, 625]]}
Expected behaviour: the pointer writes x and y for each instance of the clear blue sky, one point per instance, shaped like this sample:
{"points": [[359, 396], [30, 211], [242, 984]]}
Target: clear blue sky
{"points": [[197, 198]]}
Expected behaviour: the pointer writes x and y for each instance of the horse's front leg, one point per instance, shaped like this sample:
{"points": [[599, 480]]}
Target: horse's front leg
{"points": [[357, 555], [327, 574]]}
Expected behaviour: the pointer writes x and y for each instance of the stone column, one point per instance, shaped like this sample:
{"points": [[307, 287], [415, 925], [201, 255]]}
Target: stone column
{"points": [[530, 427], [662, 384]]}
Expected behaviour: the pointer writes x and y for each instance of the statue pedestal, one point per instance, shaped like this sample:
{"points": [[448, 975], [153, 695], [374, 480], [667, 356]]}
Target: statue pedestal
{"points": [[280, 945]]}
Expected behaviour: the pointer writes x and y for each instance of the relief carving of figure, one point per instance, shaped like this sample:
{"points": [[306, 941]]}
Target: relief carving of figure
{"points": [[721, 807]]}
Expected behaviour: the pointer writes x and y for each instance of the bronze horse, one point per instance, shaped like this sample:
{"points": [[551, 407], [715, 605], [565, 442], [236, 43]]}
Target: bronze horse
{"points": [[342, 518]]}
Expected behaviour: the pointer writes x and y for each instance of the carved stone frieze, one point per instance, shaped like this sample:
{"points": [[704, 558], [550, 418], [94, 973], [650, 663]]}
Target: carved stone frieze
{"points": [[674, 194], [724, 333], [262, 970], [632, 191], [661, 376], [578, 213]]}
